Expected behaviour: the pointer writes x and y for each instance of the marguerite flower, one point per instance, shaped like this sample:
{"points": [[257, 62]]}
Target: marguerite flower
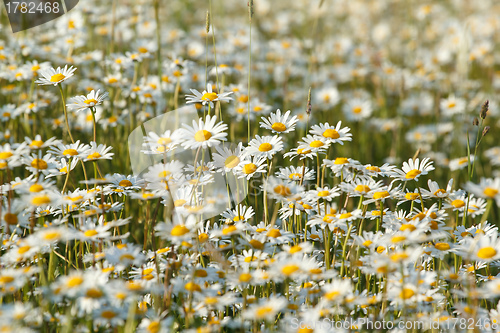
{"points": [[265, 146], [55, 76], [413, 169], [96, 152], [82, 102], [207, 96], [279, 123], [204, 133], [332, 134]]}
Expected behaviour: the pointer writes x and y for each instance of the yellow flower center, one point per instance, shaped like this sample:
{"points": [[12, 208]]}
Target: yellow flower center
{"points": [[486, 252], [6, 279], [398, 239], [341, 160], [154, 327], [36, 143], [200, 273], [331, 133], [357, 110], [209, 96], [229, 230], [202, 135], [250, 259], [164, 141], [316, 143], [179, 202], [323, 193], [345, 216], [179, 230], [39, 164], [108, 314], [397, 257], [245, 277], [380, 195], [289, 269], [35, 188], [94, 156], [57, 77], [127, 256], [442, 246], [23, 249], [279, 127], [263, 311], [90, 101], [282, 190], [249, 168], [74, 281], [94, 293], [406, 293], [411, 196], [367, 243], [231, 162], [274, 233], [412, 174], [265, 147], [70, 152], [90, 233], [373, 168], [295, 249], [40, 200], [439, 191], [490, 192], [457, 203], [5, 155], [332, 295], [408, 226], [362, 188], [125, 183], [10, 219], [256, 244]]}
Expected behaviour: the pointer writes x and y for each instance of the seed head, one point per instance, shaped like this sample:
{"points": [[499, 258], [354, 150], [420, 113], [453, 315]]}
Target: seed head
{"points": [[207, 22], [484, 109], [250, 9], [486, 130], [475, 122]]}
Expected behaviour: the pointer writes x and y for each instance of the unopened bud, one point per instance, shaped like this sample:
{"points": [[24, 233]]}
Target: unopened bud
{"points": [[309, 106], [207, 22], [484, 109], [475, 122], [486, 130]]}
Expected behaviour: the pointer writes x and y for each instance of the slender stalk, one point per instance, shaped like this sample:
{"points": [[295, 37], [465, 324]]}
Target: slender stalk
{"points": [[65, 113]]}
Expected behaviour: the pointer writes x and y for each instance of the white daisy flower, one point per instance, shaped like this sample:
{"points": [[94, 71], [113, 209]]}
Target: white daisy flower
{"points": [[55, 76], [314, 143], [250, 167], [357, 109], [333, 134], [227, 159], [279, 123], [207, 96], [82, 102], [295, 173], [413, 169], [96, 152], [204, 133], [265, 146]]}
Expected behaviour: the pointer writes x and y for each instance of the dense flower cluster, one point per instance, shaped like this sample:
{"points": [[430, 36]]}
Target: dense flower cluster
{"points": [[342, 176]]}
